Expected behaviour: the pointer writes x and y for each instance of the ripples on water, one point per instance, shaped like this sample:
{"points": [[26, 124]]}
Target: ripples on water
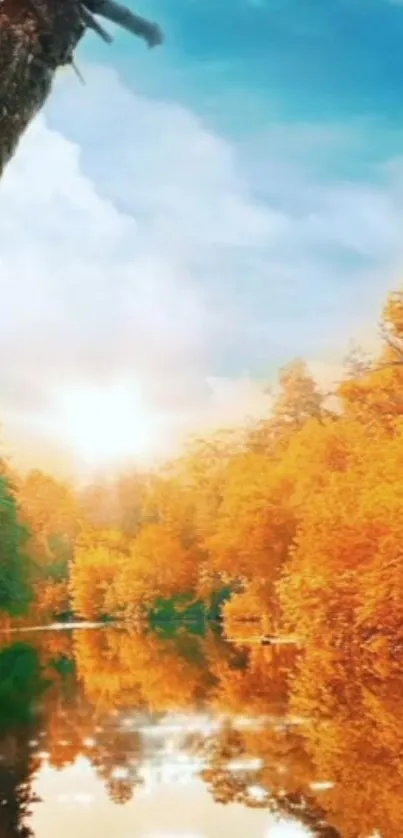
{"points": [[121, 735]]}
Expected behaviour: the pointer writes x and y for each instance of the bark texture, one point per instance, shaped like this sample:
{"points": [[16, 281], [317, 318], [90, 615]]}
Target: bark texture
{"points": [[36, 38]]}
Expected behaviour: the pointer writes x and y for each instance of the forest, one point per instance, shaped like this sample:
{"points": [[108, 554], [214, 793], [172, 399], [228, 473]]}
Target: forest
{"points": [[290, 525]]}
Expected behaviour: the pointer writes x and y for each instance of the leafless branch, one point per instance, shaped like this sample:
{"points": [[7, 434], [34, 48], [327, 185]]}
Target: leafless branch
{"points": [[92, 23], [123, 17]]}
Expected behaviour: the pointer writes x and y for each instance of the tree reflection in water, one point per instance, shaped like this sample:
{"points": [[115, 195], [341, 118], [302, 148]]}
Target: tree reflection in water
{"points": [[310, 734], [22, 686]]}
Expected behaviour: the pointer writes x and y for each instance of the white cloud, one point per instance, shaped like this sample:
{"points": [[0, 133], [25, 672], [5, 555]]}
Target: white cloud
{"points": [[132, 245], [81, 278], [99, 285]]}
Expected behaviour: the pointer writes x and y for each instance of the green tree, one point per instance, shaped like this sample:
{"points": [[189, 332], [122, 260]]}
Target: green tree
{"points": [[15, 587]]}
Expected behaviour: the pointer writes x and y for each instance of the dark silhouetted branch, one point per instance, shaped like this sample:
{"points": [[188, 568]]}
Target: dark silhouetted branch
{"points": [[126, 19]]}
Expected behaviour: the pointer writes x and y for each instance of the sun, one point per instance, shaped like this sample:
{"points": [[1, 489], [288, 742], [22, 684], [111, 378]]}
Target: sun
{"points": [[105, 425]]}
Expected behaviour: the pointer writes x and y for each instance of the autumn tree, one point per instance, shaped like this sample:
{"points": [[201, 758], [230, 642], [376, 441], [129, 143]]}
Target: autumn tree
{"points": [[51, 512], [296, 399], [100, 557], [117, 504], [347, 543], [253, 530]]}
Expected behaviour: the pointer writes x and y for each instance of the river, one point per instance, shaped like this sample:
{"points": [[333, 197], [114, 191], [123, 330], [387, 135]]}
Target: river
{"points": [[106, 733]]}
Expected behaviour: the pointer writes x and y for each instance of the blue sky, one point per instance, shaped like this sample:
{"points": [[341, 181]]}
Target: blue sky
{"points": [[302, 57], [199, 214]]}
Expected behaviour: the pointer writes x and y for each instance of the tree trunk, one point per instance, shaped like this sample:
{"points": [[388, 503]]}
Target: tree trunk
{"points": [[34, 41], [37, 37]]}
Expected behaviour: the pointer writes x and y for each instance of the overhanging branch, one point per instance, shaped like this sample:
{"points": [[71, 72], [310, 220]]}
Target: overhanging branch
{"points": [[123, 17]]}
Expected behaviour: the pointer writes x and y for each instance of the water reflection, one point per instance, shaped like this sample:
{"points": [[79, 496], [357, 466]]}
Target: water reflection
{"points": [[110, 732]]}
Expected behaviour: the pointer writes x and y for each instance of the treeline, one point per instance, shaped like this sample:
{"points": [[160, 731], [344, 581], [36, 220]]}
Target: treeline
{"points": [[295, 521]]}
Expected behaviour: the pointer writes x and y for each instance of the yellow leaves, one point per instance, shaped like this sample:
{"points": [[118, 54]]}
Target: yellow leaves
{"points": [[159, 566], [48, 505], [98, 559], [161, 559], [254, 526], [299, 399], [376, 397], [111, 540], [111, 574], [346, 562]]}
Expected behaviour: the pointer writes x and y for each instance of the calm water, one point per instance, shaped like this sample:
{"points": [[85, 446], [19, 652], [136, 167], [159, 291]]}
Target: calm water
{"points": [[121, 735]]}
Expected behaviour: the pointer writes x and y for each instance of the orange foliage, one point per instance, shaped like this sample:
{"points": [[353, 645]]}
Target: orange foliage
{"points": [[98, 558]]}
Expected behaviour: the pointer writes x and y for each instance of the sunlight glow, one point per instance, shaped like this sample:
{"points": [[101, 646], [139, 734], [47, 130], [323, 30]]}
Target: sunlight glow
{"points": [[105, 425]]}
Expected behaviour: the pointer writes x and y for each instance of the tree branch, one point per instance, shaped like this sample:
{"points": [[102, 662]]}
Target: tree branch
{"points": [[126, 19], [91, 23]]}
